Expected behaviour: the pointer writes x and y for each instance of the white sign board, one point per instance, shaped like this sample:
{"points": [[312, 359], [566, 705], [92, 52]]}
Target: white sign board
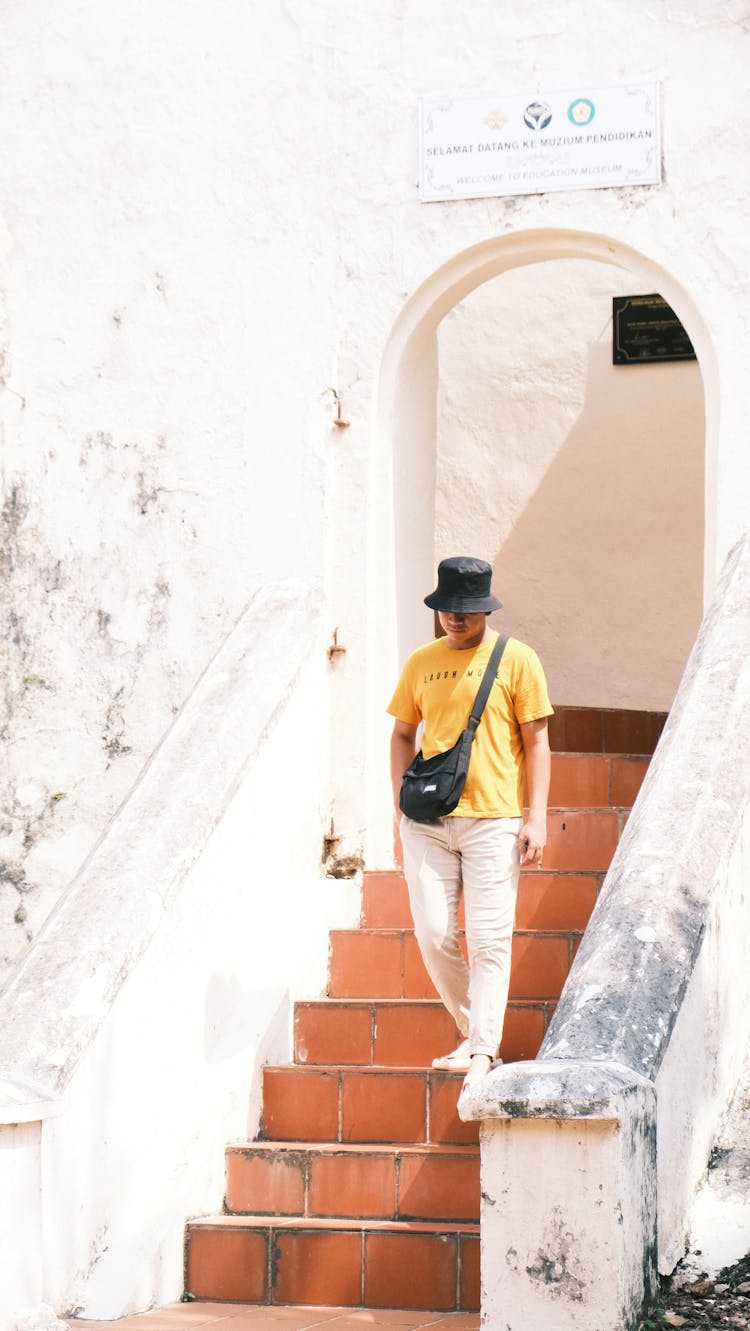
{"points": [[530, 143]]}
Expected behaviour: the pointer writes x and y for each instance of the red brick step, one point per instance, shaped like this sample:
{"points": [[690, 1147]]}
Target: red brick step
{"points": [[402, 1032], [386, 1182], [387, 964], [546, 901], [396, 1105], [347, 1263]]}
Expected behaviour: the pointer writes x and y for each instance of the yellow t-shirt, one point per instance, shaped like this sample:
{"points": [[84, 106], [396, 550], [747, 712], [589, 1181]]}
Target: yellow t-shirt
{"points": [[438, 686]]}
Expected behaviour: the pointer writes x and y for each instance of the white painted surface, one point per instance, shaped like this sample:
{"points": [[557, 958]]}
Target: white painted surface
{"points": [[20, 1222], [545, 1264], [708, 1053], [719, 1234], [585, 481], [720, 1218], [166, 978], [193, 251], [208, 218], [568, 1216], [175, 1072]]}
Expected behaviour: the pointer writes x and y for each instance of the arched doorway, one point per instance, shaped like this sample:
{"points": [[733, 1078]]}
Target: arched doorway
{"points": [[412, 483]]}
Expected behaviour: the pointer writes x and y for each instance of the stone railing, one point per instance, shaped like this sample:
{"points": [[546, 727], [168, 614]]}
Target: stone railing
{"points": [[598, 1146], [133, 1031]]}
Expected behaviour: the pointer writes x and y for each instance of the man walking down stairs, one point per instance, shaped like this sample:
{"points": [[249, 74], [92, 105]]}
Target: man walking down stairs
{"points": [[481, 699]]}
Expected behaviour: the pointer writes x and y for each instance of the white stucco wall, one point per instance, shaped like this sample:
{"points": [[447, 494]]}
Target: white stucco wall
{"points": [[163, 446], [133, 1032], [714, 1016], [175, 1072], [20, 1225], [209, 217], [579, 480]]}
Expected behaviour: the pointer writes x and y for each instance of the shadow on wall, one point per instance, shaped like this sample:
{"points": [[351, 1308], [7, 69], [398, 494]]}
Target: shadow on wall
{"points": [[253, 1022], [602, 571], [236, 1017]]}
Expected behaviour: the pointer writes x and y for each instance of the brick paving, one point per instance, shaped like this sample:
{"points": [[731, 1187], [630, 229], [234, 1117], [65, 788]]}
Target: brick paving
{"points": [[200, 1316]]}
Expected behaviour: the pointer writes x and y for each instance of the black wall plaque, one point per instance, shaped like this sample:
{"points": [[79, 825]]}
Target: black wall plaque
{"points": [[646, 329]]}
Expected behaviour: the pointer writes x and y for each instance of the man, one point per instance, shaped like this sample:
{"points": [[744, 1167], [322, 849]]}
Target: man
{"points": [[478, 848]]}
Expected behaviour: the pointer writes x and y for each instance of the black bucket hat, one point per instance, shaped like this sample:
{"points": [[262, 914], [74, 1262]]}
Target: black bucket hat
{"points": [[463, 587]]}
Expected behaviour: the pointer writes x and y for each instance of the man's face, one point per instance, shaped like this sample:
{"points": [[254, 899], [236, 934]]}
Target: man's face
{"points": [[462, 630]]}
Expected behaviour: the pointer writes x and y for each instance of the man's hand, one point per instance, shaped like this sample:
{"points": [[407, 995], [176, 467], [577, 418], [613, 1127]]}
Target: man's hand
{"points": [[532, 839]]}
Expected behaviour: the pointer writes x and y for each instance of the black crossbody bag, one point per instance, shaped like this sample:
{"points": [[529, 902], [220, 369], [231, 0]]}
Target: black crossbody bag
{"points": [[432, 787]]}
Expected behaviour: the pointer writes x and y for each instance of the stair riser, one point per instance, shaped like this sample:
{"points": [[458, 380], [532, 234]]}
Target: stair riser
{"points": [[591, 781], [381, 1185], [382, 964], [558, 902], [591, 730], [334, 1268], [401, 1034], [582, 840], [313, 1105]]}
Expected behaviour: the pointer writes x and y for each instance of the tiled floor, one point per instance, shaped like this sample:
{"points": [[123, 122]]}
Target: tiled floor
{"points": [[247, 1317]]}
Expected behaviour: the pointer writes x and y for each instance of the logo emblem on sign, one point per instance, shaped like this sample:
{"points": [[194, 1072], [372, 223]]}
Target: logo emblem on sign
{"points": [[495, 119], [581, 111], [537, 115]]}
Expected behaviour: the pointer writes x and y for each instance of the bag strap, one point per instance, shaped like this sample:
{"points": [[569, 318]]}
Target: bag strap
{"points": [[488, 680]]}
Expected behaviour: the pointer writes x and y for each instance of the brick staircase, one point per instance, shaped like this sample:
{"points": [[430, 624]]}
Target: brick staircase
{"points": [[364, 1189]]}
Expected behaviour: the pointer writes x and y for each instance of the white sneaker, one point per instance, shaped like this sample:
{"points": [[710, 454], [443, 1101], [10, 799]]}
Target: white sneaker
{"points": [[459, 1060]]}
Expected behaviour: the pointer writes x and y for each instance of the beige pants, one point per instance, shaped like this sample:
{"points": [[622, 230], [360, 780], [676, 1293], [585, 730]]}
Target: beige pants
{"points": [[479, 857]]}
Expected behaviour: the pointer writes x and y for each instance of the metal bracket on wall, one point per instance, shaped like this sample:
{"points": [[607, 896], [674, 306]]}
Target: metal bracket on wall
{"points": [[330, 841], [336, 648], [338, 418]]}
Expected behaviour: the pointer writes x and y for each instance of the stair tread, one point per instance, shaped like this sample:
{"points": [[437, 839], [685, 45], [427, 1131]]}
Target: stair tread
{"points": [[396, 931], [355, 1224], [624, 755], [367, 1069], [389, 1001], [359, 1001], [435, 1149]]}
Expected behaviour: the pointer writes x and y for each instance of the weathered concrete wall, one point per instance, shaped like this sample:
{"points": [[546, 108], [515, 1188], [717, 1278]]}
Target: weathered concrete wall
{"points": [[720, 1217], [193, 251], [136, 1026], [708, 1052], [577, 1254], [162, 417]]}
